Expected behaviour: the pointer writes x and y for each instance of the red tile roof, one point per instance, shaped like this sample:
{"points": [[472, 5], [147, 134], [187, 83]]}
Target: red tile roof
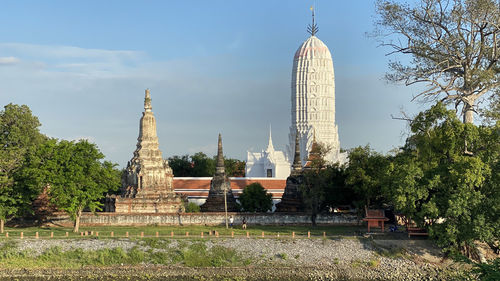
{"points": [[199, 187]]}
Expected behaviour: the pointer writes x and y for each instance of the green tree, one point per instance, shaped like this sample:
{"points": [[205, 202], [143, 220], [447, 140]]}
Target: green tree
{"points": [[453, 45], [255, 198], [366, 173], [19, 133], [315, 180], [200, 165], [437, 185], [9, 196], [203, 166], [337, 192], [76, 177], [234, 167], [181, 166]]}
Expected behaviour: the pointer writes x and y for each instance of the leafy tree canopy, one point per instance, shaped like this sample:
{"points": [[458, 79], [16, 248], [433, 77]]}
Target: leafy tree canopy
{"points": [[19, 133], [366, 174], [76, 177], [200, 165], [436, 184], [256, 199], [337, 193], [315, 180]]}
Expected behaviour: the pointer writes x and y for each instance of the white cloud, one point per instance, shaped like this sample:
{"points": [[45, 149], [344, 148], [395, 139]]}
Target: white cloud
{"points": [[99, 93], [70, 59], [70, 52], [8, 60]]}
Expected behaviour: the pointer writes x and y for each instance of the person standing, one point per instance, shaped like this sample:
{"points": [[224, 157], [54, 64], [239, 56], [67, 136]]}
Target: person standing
{"points": [[244, 223], [231, 221]]}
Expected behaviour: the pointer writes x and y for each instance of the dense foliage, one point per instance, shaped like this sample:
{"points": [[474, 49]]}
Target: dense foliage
{"points": [[75, 176], [366, 175], [200, 165], [30, 162], [315, 180], [19, 134], [432, 180], [255, 198], [454, 194]]}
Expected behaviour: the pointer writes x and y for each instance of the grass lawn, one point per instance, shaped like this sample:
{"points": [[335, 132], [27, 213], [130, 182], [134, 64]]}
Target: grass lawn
{"points": [[180, 231]]}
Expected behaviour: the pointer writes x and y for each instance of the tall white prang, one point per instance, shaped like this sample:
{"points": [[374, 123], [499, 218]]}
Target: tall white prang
{"points": [[313, 100]]}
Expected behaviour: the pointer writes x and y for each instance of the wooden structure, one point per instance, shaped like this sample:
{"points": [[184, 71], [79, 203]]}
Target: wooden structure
{"points": [[416, 231], [412, 229], [375, 218]]}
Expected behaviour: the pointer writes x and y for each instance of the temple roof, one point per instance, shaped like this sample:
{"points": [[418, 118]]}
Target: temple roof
{"points": [[313, 47]]}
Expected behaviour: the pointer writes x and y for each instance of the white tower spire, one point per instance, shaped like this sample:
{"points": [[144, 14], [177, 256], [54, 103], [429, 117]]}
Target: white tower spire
{"points": [[313, 98], [270, 146]]}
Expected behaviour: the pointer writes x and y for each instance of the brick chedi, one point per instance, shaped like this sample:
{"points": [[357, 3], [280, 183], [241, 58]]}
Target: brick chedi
{"points": [[291, 201], [147, 180], [220, 183]]}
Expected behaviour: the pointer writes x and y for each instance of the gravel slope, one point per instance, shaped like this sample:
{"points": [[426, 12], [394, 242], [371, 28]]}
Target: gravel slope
{"points": [[302, 259]]}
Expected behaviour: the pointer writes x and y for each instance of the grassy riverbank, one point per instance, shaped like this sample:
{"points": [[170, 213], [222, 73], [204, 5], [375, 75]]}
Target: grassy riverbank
{"points": [[225, 258], [180, 231], [154, 252]]}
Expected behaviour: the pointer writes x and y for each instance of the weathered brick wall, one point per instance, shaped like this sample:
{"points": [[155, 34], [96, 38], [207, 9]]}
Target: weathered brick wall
{"points": [[89, 219]]}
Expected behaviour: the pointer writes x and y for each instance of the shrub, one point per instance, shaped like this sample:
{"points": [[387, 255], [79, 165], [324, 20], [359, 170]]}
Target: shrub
{"points": [[373, 263], [488, 271], [192, 208], [256, 199]]}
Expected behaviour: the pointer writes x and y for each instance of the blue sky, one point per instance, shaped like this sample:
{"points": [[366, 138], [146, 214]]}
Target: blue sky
{"points": [[212, 66]]}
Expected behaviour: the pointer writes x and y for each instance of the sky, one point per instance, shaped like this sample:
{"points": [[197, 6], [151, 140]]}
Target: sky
{"points": [[212, 67]]}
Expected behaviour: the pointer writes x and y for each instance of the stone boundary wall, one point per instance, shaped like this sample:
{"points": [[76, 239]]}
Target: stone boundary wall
{"points": [[142, 219]]}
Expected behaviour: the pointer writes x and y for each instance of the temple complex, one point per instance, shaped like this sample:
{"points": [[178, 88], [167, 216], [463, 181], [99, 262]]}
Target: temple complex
{"points": [[220, 187], [147, 180], [292, 200], [312, 112]]}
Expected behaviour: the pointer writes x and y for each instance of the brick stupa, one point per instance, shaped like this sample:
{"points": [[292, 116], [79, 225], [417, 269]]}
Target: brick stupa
{"points": [[291, 201], [219, 183], [147, 180]]}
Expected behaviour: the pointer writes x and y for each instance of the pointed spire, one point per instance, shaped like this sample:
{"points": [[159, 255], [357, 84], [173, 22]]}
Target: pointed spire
{"points": [[312, 28], [314, 153], [270, 146], [219, 168], [297, 164], [147, 101]]}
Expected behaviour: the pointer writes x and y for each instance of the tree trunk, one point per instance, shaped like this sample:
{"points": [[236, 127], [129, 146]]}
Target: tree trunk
{"points": [[77, 221], [314, 210], [468, 115], [313, 218], [468, 111], [468, 119], [2, 222]]}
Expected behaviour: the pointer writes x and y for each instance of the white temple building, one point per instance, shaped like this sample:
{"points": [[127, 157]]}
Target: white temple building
{"points": [[313, 99], [269, 163], [312, 112]]}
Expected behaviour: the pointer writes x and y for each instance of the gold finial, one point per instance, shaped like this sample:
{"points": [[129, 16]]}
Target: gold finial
{"points": [[312, 28]]}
